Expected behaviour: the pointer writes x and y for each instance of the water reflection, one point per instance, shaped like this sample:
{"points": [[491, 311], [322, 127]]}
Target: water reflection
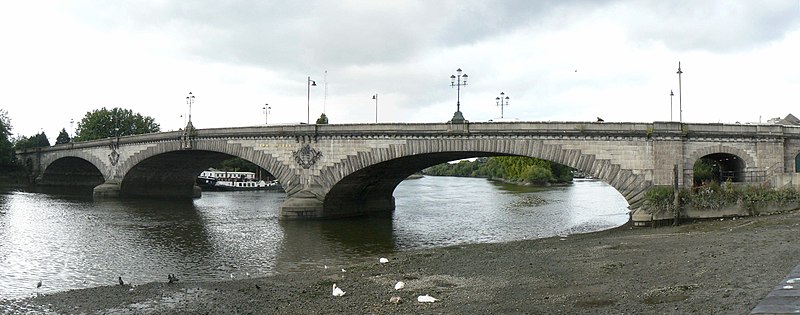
{"points": [[74, 242]]}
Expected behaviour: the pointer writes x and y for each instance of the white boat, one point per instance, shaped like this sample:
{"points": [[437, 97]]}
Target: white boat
{"points": [[233, 181]]}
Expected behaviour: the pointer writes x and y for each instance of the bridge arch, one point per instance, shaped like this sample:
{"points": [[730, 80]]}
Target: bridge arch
{"points": [[71, 171], [166, 169], [58, 164], [733, 161], [375, 174]]}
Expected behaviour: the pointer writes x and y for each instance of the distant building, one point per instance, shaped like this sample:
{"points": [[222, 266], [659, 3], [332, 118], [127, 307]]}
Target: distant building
{"points": [[788, 120]]}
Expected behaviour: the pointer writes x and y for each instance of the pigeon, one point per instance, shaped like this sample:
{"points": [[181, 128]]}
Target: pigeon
{"points": [[383, 260], [426, 299], [337, 291], [399, 285]]}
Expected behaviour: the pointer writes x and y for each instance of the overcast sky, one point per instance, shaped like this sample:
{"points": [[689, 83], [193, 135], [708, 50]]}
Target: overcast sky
{"points": [[556, 60]]}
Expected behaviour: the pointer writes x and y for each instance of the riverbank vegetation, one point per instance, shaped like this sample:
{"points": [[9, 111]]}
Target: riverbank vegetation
{"points": [[713, 196], [517, 169]]}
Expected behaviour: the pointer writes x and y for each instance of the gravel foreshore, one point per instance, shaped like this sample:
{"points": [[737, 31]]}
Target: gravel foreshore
{"points": [[708, 267]]}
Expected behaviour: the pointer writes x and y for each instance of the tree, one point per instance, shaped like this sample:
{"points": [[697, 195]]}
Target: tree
{"points": [[7, 157], [63, 137], [36, 141], [322, 119], [705, 170], [117, 122]]}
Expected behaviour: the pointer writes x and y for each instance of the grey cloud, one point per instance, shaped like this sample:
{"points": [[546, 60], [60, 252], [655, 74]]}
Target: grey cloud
{"points": [[717, 26]]}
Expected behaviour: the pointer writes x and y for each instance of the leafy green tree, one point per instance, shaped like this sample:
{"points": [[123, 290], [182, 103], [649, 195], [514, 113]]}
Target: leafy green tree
{"points": [[116, 122], [36, 141], [63, 137], [322, 119], [705, 170], [7, 157]]}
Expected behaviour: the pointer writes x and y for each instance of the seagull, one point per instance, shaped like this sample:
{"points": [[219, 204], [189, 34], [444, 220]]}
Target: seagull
{"points": [[121, 282], [337, 291], [39, 284], [426, 299], [399, 285], [344, 270], [383, 260]]}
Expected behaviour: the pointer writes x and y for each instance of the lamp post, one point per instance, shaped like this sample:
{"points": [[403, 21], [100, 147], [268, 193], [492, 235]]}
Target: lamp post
{"points": [[458, 80], [190, 101], [501, 101], [375, 97], [308, 101], [266, 109], [670, 104], [680, 103]]}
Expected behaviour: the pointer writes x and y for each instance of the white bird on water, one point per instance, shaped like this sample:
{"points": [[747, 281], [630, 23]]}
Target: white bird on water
{"points": [[399, 285], [383, 260], [337, 291], [426, 299]]}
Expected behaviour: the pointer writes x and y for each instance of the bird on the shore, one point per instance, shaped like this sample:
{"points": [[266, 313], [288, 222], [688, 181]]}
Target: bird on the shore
{"points": [[399, 285], [337, 291], [39, 284], [172, 278], [121, 282], [426, 299], [600, 119], [344, 270], [258, 287], [383, 260], [395, 299]]}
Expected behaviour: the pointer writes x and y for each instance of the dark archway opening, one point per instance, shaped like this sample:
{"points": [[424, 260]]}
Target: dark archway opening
{"points": [[172, 174], [718, 168], [71, 172]]}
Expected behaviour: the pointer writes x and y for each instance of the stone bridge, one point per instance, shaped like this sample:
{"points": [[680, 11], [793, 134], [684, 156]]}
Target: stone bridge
{"points": [[343, 170]]}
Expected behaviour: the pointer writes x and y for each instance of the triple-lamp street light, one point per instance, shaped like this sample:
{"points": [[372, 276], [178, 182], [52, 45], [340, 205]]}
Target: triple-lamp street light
{"points": [[190, 101], [458, 80], [501, 101]]}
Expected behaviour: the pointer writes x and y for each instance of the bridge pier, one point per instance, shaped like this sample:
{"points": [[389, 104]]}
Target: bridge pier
{"points": [[301, 205], [109, 189]]}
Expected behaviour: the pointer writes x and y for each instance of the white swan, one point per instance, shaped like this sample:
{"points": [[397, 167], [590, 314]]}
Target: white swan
{"points": [[399, 285], [337, 291], [426, 299]]}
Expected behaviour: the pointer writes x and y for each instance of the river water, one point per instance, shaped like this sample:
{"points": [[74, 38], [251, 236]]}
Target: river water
{"points": [[70, 242]]}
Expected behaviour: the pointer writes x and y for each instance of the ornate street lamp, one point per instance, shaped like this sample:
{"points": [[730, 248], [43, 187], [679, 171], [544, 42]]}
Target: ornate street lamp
{"points": [[190, 101], [266, 109], [501, 102], [308, 101], [375, 97], [457, 80]]}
